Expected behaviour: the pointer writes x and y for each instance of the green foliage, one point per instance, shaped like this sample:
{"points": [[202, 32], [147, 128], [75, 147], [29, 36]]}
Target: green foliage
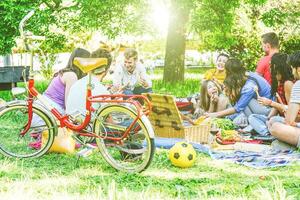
{"points": [[47, 61], [284, 17], [113, 17], [213, 20], [290, 44], [11, 14]]}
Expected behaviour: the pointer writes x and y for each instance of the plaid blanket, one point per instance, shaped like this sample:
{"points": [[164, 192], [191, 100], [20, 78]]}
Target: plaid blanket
{"points": [[267, 159]]}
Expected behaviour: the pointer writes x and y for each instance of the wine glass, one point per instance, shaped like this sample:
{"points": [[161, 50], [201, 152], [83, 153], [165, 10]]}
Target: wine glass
{"points": [[214, 129]]}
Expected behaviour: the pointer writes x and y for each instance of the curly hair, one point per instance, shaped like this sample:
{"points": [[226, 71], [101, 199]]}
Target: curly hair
{"points": [[279, 66]]}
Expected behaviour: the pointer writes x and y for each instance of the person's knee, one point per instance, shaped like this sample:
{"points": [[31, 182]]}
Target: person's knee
{"points": [[275, 128], [252, 117]]}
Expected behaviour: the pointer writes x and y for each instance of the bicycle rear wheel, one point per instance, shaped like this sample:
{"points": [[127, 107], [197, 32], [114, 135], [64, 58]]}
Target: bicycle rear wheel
{"points": [[135, 152], [13, 119]]}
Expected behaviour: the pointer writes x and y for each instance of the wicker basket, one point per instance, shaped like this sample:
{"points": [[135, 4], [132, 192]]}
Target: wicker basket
{"points": [[166, 121], [197, 134]]}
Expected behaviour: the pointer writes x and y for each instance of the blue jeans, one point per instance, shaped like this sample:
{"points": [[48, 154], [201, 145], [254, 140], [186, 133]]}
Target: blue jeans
{"points": [[258, 123]]}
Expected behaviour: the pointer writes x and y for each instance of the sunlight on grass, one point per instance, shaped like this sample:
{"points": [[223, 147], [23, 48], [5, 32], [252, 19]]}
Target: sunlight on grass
{"points": [[277, 192]]}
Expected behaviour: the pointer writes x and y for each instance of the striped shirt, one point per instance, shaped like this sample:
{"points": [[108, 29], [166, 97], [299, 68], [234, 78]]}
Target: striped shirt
{"points": [[295, 95]]}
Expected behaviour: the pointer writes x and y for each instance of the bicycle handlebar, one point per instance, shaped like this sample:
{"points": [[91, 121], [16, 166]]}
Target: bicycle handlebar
{"points": [[22, 23]]}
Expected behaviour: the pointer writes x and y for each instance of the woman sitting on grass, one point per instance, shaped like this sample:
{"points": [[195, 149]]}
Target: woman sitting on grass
{"points": [[59, 87], [211, 99], [240, 88], [288, 129], [282, 83]]}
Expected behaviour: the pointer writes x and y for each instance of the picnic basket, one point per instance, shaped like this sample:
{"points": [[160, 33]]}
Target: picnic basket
{"points": [[167, 122]]}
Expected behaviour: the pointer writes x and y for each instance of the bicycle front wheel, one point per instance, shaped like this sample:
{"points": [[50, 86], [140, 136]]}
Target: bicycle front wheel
{"points": [[36, 141], [135, 152]]}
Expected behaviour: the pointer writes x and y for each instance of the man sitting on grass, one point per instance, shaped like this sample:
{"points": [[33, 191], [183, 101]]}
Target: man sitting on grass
{"points": [[130, 77]]}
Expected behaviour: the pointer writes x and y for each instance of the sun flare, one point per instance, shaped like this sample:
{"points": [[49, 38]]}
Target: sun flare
{"points": [[160, 15]]}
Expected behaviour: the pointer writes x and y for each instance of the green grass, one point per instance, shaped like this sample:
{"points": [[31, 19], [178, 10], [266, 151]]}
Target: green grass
{"points": [[189, 87], [56, 176]]}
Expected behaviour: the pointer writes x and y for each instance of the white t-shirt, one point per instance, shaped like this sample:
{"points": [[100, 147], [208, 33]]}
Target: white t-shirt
{"points": [[77, 95], [295, 94], [123, 78]]}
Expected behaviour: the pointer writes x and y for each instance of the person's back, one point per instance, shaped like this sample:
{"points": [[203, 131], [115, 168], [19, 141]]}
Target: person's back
{"points": [[77, 96], [270, 45], [56, 91]]}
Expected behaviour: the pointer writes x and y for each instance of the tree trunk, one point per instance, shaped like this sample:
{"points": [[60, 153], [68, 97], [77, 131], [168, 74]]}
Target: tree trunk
{"points": [[175, 48]]}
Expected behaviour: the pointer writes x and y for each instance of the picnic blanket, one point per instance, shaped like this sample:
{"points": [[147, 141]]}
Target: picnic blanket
{"points": [[267, 159]]}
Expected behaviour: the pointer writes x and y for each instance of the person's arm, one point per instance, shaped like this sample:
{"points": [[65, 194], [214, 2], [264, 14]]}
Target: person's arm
{"points": [[272, 113], [212, 107], [144, 79], [117, 78], [268, 102], [222, 103], [288, 85], [247, 93], [228, 111], [68, 78], [213, 103], [292, 113]]}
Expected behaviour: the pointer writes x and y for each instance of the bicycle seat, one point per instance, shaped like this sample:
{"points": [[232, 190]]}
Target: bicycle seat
{"points": [[89, 64]]}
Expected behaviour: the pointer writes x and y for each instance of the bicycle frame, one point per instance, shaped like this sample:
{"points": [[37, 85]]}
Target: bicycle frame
{"points": [[65, 120]]}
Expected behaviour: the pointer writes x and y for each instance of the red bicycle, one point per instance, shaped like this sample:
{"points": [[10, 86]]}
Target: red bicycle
{"points": [[123, 133]]}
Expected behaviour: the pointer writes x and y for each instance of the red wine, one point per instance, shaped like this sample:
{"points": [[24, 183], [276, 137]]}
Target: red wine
{"points": [[214, 132]]}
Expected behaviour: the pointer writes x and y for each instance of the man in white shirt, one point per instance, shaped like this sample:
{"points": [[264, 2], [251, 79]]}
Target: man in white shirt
{"points": [[77, 95], [130, 77]]}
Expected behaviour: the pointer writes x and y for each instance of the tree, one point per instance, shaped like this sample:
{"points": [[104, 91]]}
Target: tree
{"points": [[175, 47], [233, 26]]}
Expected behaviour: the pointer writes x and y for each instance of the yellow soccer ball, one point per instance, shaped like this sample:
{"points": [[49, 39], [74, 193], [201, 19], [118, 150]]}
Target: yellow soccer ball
{"points": [[182, 154]]}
